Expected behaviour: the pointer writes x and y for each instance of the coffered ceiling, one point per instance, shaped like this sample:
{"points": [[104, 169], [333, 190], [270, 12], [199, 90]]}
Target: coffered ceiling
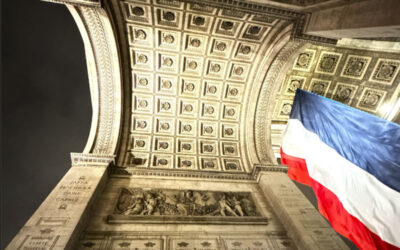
{"points": [[191, 72], [208, 86]]}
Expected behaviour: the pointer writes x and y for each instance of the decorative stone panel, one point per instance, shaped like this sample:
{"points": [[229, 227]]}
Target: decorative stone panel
{"points": [[328, 62], [355, 66], [293, 83], [371, 99], [304, 60], [385, 71], [319, 86], [344, 93]]}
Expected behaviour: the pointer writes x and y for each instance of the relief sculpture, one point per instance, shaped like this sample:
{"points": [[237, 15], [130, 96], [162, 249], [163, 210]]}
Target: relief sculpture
{"points": [[171, 205]]}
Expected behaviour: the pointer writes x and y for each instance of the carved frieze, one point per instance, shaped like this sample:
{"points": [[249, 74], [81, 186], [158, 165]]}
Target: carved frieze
{"points": [[191, 206]]}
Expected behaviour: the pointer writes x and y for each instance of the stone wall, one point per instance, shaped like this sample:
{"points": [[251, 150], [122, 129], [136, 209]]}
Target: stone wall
{"points": [[267, 233]]}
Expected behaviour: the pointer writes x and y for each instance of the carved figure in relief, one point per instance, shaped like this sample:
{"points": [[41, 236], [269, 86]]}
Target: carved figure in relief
{"points": [[150, 204], [136, 201], [225, 206], [236, 205], [286, 108], [187, 127], [136, 207]]}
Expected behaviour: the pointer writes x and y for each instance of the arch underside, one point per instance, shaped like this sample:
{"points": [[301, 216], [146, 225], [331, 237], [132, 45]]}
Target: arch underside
{"points": [[178, 85], [187, 84], [193, 73]]}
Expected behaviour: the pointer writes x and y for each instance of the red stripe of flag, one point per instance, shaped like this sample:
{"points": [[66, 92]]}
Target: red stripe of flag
{"points": [[332, 209]]}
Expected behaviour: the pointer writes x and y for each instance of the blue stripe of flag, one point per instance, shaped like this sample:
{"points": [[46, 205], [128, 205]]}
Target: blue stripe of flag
{"points": [[368, 141]]}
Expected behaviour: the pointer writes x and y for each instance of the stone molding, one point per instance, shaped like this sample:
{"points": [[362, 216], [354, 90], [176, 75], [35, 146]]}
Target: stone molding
{"points": [[174, 239], [120, 172], [258, 170], [266, 100], [80, 159], [104, 77], [87, 3]]}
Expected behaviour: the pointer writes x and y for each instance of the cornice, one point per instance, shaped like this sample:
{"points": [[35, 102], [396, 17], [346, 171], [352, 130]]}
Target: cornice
{"points": [[84, 3], [80, 159], [119, 172]]}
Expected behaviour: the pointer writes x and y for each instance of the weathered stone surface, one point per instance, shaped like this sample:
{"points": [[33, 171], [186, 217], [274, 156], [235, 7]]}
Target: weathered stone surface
{"points": [[303, 222], [59, 220]]}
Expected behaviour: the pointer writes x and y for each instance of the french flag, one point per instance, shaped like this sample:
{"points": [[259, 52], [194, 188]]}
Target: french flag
{"points": [[351, 159]]}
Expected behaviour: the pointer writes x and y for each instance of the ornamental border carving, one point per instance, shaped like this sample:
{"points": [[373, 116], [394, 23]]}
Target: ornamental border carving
{"points": [[248, 177], [266, 100], [78, 159], [88, 3], [104, 77]]}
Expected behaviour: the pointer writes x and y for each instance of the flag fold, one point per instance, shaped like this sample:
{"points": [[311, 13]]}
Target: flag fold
{"points": [[351, 159]]}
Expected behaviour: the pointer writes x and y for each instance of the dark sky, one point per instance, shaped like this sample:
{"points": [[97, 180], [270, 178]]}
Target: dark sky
{"points": [[46, 105]]}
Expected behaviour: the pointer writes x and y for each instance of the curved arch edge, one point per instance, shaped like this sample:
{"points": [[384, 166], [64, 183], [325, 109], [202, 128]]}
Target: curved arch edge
{"points": [[104, 78], [266, 98]]}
